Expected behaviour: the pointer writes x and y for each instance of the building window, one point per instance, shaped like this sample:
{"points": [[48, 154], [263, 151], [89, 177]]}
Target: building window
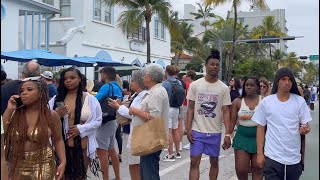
{"points": [[241, 20], [156, 28], [102, 12], [162, 31], [3, 12], [107, 14], [159, 29], [65, 7], [139, 34], [97, 10], [50, 2]]}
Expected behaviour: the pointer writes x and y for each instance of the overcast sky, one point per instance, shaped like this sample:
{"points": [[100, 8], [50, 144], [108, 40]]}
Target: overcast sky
{"points": [[302, 20]]}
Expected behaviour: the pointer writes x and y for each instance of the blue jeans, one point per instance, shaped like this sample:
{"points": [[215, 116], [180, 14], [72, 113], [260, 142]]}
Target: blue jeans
{"points": [[149, 166]]}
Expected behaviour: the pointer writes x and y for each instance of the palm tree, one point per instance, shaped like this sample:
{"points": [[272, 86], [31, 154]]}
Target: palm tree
{"points": [[235, 5], [278, 56], [311, 72], [293, 63], [269, 28], [140, 11], [203, 13], [176, 45], [223, 31], [257, 49], [184, 41]]}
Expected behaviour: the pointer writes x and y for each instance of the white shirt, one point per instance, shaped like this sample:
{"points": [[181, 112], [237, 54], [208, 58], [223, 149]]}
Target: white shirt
{"points": [[283, 119], [88, 129], [136, 121], [209, 100], [314, 90]]}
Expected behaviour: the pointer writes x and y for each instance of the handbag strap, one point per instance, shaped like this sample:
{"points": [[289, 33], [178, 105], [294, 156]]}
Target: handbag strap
{"points": [[132, 98], [110, 85]]}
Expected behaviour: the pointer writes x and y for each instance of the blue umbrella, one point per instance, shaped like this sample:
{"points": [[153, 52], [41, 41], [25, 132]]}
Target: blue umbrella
{"points": [[43, 57], [98, 61]]}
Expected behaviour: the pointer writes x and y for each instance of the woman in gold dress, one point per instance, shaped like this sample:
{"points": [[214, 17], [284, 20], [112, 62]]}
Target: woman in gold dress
{"points": [[33, 134]]}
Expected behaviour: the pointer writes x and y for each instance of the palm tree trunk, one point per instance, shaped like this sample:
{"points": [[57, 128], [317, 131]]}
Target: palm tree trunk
{"points": [[148, 42], [233, 40], [176, 58], [270, 51], [148, 20], [226, 65]]}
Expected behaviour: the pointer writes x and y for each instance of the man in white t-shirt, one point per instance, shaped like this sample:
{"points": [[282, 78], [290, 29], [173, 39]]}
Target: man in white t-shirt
{"points": [[314, 93], [285, 116], [208, 104]]}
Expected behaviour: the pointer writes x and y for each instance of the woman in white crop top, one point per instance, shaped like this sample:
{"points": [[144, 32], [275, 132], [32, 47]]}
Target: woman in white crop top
{"points": [[244, 142]]}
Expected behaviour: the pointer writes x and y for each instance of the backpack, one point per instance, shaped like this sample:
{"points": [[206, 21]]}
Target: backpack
{"points": [[307, 94], [108, 113], [177, 95]]}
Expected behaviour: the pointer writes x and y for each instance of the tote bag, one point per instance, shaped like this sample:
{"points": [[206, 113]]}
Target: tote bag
{"points": [[149, 137]]}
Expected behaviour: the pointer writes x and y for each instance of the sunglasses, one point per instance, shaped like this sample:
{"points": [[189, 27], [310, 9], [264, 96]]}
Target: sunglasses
{"points": [[36, 78]]}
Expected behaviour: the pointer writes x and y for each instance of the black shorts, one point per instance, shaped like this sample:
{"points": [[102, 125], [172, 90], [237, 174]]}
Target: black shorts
{"points": [[274, 170]]}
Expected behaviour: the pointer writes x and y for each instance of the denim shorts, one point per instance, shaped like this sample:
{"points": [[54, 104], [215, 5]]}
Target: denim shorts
{"points": [[205, 143]]}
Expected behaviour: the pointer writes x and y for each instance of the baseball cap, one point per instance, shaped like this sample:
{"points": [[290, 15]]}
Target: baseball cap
{"points": [[47, 75]]}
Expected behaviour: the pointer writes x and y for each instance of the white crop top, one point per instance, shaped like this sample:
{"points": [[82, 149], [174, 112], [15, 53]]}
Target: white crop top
{"points": [[245, 114], [85, 111]]}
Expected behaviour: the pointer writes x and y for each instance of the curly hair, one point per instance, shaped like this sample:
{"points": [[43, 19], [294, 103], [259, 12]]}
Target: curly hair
{"points": [[16, 134]]}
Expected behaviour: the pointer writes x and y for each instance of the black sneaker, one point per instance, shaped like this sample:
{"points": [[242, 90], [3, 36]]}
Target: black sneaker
{"points": [[169, 158]]}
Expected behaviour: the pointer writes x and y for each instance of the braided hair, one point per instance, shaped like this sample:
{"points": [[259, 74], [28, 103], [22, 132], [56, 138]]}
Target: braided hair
{"points": [[75, 168], [16, 134]]}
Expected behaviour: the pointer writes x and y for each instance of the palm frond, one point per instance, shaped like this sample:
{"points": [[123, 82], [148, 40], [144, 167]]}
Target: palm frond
{"points": [[130, 20]]}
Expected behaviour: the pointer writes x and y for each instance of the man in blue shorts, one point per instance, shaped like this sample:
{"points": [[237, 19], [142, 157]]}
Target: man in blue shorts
{"points": [[209, 101]]}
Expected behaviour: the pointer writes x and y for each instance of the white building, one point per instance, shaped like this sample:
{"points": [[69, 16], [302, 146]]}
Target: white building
{"points": [[14, 30], [90, 28], [256, 16]]}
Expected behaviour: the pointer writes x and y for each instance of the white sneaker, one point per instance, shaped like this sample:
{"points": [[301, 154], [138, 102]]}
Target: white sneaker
{"points": [[178, 156], [165, 149], [187, 146], [169, 158]]}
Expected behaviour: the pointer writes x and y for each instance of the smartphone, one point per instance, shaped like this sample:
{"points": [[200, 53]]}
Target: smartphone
{"points": [[60, 104], [109, 99], [18, 102]]}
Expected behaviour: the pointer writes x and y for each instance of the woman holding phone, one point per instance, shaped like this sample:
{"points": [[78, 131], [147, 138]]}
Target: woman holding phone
{"points": [[81, 115], [32, 134]]}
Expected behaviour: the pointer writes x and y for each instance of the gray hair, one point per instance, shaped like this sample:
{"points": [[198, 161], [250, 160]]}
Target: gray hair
{"points": [[155, 71], [137, 76], [30, 72]]}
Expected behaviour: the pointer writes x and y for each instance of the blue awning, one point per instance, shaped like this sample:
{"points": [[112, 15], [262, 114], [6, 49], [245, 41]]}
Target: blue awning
{"points": [[43, 57], [94, 61]]}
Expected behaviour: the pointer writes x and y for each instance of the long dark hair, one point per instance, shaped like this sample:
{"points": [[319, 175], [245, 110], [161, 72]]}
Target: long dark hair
{"points": [[18, 126], [244, 93], [75, 164]]}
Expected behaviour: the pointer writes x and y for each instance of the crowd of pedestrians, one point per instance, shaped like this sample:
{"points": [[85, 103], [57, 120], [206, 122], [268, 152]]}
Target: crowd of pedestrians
{"points": [[60, 127]]}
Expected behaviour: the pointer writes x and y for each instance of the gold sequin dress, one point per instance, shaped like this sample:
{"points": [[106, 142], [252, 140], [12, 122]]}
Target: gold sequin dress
{"points": [[28, 168]]}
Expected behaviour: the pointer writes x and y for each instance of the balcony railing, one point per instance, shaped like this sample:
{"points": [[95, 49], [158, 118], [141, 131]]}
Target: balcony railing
{"points": [[139, 35]]}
